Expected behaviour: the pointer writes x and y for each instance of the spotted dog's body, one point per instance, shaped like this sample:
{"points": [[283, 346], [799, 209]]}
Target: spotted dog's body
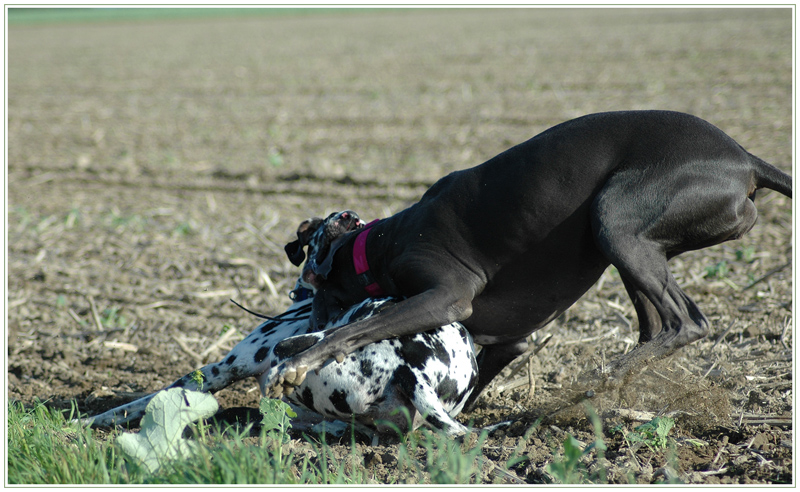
{"points": [[432, 374]]}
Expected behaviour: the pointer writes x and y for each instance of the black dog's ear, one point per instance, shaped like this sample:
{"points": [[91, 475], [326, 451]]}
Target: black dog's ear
{"points": [[294, 251]]}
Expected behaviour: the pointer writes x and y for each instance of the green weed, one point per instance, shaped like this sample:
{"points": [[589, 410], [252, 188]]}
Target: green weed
{"points": [[720, 270], [746, 254], [199, 378], [73, 217], [183, 229], [111, 318], [276, 416], [448, 462], [134, 222], [275, 158], [570, 467], [23, 215], [653, 434]]}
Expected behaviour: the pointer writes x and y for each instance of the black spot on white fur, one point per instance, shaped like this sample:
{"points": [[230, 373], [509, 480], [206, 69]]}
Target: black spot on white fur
{"points": [[339, 400], [293, 346], [261, 354], [366, 367]]}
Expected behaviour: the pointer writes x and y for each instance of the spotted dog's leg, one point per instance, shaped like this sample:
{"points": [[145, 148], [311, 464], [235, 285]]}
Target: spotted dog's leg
{"points": [[427, 403], [249, 358], [439, 369]]}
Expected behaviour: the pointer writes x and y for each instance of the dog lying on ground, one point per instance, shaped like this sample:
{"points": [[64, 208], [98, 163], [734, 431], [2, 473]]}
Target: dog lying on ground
{"points": [[431, 374], [507, 246]]}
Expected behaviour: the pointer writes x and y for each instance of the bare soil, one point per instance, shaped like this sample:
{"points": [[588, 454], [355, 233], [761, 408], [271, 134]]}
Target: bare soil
{"points": [[156, 168]]}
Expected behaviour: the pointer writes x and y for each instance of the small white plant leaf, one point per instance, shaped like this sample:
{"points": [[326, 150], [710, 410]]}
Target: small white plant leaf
{"points": [[166, 416], [274, 414]]}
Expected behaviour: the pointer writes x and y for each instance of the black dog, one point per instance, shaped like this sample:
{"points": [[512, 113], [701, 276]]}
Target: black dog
{"points": [[507, 246]]}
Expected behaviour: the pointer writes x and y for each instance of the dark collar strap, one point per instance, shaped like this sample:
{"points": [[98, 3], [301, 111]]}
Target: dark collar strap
{"points": [[362, 266]]}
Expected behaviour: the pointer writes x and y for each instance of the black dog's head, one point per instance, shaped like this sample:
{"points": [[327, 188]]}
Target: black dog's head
{"points": [[322, 238]]}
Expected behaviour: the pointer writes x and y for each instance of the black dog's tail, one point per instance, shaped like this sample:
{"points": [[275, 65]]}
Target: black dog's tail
{"points": [[769, 176]]}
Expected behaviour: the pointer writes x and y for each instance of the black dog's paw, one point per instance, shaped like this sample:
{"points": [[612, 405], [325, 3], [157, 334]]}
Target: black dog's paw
{"points": [[281, 380]]}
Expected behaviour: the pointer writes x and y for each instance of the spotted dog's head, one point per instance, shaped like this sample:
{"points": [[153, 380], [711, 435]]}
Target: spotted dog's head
{"points": [[323, 237]]}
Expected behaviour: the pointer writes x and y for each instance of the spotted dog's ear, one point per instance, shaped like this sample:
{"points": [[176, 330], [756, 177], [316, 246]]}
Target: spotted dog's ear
{"points": [[294, 250]]}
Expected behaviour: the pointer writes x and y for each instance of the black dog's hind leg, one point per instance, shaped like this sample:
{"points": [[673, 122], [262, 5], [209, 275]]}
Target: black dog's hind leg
{"points": [[668, 317], [640, 225], [646, 312]]}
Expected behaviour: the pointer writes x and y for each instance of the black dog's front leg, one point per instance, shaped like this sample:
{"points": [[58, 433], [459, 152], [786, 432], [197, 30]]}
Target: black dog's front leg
{"points": [[428, 310]]}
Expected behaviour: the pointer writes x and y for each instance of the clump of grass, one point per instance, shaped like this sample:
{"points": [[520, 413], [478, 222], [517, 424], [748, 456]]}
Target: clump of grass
{"points": [[46, 448], [426, 456], [449, 461], [275, 158], [184, 228], [134, 222], [568, 468]]}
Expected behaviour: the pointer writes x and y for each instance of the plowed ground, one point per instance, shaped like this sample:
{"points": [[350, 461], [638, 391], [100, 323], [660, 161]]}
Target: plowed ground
{"points": [[156, 168]]}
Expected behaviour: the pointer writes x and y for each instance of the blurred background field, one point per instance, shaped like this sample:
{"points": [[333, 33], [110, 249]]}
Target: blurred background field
{"points": [[158, 160], [44, 15]]}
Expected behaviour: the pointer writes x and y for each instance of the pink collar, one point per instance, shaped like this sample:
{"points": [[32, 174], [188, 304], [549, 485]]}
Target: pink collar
{"points": [[362, 266]]}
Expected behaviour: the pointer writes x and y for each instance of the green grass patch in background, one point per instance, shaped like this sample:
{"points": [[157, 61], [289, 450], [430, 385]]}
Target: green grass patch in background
{"points": [[45, 448], [33, 16]]}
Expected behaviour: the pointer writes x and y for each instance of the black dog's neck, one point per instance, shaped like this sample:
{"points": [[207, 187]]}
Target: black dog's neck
{"points": [[344, 267], [364, 274]]}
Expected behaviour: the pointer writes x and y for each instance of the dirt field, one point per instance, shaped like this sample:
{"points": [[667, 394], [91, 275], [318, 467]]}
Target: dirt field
{"points": [[157, 168]]}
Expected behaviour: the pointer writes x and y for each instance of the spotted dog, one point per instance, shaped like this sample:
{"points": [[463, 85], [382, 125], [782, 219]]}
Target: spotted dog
{"points": [[431, 374]]}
